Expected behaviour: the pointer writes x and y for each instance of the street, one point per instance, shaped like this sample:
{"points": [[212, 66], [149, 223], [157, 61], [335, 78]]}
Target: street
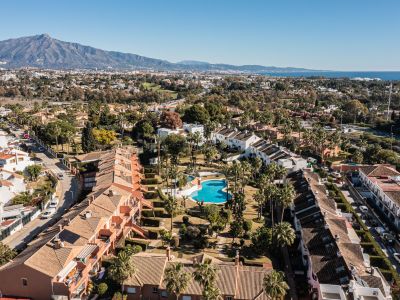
{"points": [[69, 193], [353, 199]]}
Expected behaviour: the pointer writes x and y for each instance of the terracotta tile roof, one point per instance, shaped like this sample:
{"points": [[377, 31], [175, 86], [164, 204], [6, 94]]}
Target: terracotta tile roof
{"points": [[379, 170], [240, 282], [101, 203]]}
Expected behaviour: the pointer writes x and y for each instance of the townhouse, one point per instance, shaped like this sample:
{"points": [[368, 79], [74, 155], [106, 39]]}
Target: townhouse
{"points": [[330, 258], [269, 153], [383, 190], [254, 146], [234, 280], [60, 262], [233, 138]]}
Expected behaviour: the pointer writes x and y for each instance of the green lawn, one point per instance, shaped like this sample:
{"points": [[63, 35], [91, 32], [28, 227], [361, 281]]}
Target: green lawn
{"points": [[157, 88]]}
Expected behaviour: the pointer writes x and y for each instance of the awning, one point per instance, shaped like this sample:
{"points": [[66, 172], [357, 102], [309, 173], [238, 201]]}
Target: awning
{"points": [[68, 268], [86, 251]]}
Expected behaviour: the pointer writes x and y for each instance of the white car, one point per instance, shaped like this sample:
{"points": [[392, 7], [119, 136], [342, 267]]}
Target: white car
{"points": [[363, 209], [48, 213], [397, 257], [53, 203]]}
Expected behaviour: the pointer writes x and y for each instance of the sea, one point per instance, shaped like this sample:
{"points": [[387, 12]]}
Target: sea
{"points": [[361, 75]]}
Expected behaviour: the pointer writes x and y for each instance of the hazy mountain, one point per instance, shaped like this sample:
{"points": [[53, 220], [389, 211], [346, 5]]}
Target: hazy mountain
{"points": [[43, 51]]}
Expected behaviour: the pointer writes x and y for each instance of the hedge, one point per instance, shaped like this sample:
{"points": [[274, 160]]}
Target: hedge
{"points": [[150, 222], [150, 181], [136, 242], [150, 195], [162, 196], [157, 204], [152, 234], [157, 212]]}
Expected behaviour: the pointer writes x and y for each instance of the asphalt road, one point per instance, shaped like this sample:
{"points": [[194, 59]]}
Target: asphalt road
{"points": [[388, 250], [69, 193]]}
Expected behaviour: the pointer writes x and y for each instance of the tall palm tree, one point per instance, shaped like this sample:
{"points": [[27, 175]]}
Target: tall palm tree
{"points": [[271, 193], [283, 234], [171, 207], [121, 268], [259, 197], [275, 286], [206, 275], [176, 279], [285, 197]]}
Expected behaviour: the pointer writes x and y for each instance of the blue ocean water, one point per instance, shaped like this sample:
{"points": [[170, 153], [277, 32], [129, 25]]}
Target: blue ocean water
{"points": [[211, 192], [392, 75]]}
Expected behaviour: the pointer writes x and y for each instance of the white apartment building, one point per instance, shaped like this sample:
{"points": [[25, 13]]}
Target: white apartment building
{"points": [[383, 184], [11, 184], [14, 160], [234, 138]]}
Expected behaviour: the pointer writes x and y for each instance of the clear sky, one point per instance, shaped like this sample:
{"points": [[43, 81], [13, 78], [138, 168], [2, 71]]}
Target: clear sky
{"points": [[318, 34]]}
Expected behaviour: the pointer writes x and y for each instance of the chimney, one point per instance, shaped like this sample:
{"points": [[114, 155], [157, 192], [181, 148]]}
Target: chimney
{"points": [[60, 227], [336, 238], [237, 258], [110, 193], [168, 253], [91, 199], [88, 214]]}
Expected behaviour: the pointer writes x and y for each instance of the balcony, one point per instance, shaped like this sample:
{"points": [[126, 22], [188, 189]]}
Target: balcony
{"points": [[107, 235]]}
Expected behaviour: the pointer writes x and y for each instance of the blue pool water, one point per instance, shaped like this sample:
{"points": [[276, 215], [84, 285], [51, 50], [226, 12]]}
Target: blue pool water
{"points": [[211, 192]]}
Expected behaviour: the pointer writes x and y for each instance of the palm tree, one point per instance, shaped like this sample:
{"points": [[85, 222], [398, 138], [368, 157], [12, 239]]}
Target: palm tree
{"points": [[275, 286], [285, 197], [259, 197], [283, 234], [171, 207], [121, 268], [176, 279], [205, 274], [271, 193]]}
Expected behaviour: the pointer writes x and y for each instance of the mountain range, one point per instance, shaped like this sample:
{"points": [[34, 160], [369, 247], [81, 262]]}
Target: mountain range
{"points": [[43, 51]]}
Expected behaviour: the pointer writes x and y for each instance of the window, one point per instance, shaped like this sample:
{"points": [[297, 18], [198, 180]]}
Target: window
{"points": [[164, 294], [229, 298], [186, 298], [131, 290], [155, 290], [24, 281]]}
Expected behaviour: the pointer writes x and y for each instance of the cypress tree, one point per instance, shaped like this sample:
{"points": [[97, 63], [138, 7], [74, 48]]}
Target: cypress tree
{"points": [[88, 140]]}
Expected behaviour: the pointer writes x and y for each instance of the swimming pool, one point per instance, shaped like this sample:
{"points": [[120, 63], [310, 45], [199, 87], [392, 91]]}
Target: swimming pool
{"points": [[211, 192]]}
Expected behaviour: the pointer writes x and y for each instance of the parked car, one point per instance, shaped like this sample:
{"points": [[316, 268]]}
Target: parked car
{"points": [[363, 209], [48, 213], [53, 203], [373, 222], [380, 230], [60, 176], [397, 257], [388, 238]]}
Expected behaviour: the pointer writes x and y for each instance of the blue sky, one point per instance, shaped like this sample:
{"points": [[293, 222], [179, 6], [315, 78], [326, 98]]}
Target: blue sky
{"points": [[319, 34]]}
